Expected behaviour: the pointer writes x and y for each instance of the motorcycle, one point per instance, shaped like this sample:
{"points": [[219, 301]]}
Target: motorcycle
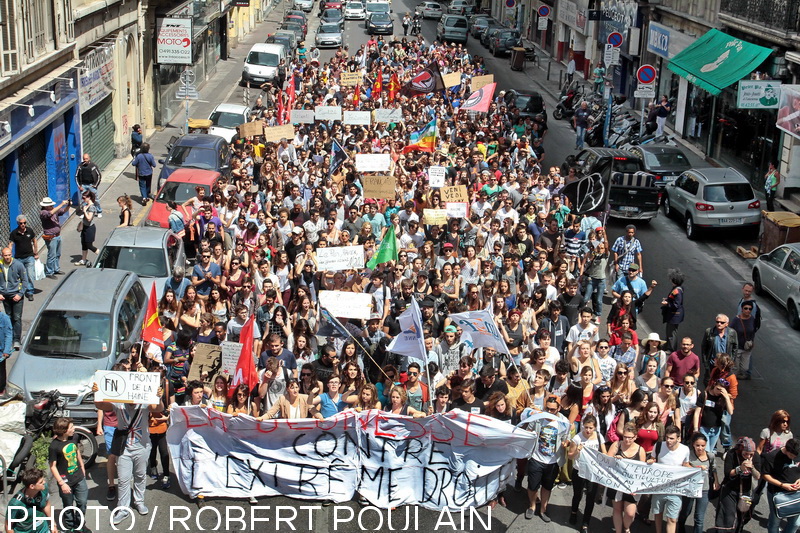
{"points": [[566, 107]]}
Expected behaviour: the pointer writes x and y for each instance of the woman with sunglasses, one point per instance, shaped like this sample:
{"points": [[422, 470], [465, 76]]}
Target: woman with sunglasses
{"points": [[240, 403], [625, 504], [712, 404], [588, 437], [308, 379], [622, 386], [687, 399], [667, 402], [773, 437]]}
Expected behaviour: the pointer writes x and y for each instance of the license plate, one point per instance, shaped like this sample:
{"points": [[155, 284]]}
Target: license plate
{"points": [[64, 413], [258, 79], [629, 208], [731, 221]]}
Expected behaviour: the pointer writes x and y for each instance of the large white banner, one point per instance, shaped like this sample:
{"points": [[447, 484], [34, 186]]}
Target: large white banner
{"points": [[340, 257], [451, 461], [636, 477], [174, 41], [347, 304], [373, 162]]}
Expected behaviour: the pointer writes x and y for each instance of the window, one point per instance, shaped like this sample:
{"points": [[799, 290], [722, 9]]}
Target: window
{"points": [[37, 28], [71, 333], [690, 185], [792, 265], [8, 37], [145, 262], [728, 193], [777, 256]]}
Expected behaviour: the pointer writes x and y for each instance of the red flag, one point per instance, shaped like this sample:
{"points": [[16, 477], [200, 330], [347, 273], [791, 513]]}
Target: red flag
{"points": [[246, 368], [377, 87], [152, 331], [394, 86], [357, 96], [480, 99], [279, 105], [292, 96]]}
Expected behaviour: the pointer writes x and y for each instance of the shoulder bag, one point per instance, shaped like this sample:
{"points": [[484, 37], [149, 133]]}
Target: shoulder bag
{"points": [[787, 504]]}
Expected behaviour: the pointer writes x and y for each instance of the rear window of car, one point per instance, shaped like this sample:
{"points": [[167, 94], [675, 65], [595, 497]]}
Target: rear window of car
{"points": [[730, 192], [666, 161], [457, 23]]}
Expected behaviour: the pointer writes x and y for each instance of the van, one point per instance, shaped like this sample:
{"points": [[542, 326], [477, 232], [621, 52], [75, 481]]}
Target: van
{"points": [[377, 7], [261, 64], [452, 28]]}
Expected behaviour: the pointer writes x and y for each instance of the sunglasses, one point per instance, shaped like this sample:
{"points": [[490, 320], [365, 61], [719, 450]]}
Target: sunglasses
{"points": [[413, 373], [305, 374], [721, 321], [688, 382]]}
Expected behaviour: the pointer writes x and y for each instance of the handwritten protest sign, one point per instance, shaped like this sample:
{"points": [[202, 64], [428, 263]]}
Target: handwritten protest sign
{"points": [[328, 112], [456, 460], [251, 129], [456, 193], [481, 81], [379, 187], [362, 118], [350, 79], [302, 116], [340, 257], [456, 209], [434, 217], [127, 387], [276, 133], [452, 79], [436, 175], [342, 304], [373, 162], [230, 357], [207, 360], [388, 115]]}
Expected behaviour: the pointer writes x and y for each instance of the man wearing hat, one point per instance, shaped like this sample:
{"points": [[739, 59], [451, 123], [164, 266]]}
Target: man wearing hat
{"points": [[51, 226], [631, 282]]}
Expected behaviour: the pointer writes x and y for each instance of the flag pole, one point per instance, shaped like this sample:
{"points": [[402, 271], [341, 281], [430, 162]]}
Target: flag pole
{"points": [[358, 343]]}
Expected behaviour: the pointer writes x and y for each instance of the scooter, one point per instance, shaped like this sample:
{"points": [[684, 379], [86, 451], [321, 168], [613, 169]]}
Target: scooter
{"points": [[565, 108]]}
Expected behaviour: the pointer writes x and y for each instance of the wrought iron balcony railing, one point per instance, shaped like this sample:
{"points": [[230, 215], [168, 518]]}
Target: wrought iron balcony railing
{"points": [[782, 15]]}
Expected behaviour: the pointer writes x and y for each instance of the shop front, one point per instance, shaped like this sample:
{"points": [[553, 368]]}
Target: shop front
{"points": [[546, 37], [622, 17], [96, 94], [572, 31], [666, 42]]}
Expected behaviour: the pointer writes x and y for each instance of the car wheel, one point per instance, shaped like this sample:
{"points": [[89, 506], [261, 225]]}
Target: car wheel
{"points": [[667, 207], [759, 288], [794, 317], [691, 230]]}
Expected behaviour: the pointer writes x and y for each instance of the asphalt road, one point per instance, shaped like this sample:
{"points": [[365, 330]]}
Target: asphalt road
{"points": [[714, 276]]}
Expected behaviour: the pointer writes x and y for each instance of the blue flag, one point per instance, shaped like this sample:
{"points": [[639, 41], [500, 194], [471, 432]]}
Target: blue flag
{"points": [[338, 157]]}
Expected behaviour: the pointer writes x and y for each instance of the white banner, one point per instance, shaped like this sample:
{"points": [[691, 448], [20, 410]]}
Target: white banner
{"points": [[127, 387], [436, 175], [373, 162], [388, 115], [97, 81], [340, 257], [635, 477], [231, 351], [174, 41], [451, 461], [361, 118], [456, 209], [302, 116], [328, 112], [479, 327], [343, 304]]}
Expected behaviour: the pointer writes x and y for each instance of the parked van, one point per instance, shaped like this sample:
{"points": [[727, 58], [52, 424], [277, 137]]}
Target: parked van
{"points": [[261, 64], [452, 29]]}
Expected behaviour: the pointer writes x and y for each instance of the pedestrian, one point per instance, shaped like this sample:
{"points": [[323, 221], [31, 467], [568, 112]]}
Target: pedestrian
{"points": [[627, 249], [87, 227], [88, 177], [144, 163], [131, 445], [782, 473], [581, 120], [136, 139], [406, 24], [744, 324], [125, 216], [66, 465], [29, 511], [771, 181], [741, 472], [683, 362], [587, 438], [625, 504], [718, 339], [599, 77], [6, 345], [772, 437], [712, 404], [667, 507], [703, 459], [26, 251], [51, 233], [664, 108], [672, 310], [571, 67], [13, 278]]}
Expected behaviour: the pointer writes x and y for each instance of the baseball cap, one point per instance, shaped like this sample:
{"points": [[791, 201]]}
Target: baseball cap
{"points": [[450, 329]]}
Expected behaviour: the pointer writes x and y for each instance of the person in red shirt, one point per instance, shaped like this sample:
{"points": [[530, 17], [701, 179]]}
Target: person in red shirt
{"points": [[683, 361]]}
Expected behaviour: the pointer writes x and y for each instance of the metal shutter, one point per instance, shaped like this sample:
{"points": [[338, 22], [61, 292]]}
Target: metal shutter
{"points": [[5, 222], [98, 133], [32, 180]]}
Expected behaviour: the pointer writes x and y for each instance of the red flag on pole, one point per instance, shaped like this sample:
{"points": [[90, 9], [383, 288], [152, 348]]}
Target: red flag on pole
{"points": [[394, 87], [292, 96], [246, 368], [279, 106], [152, 331], [357, 96], [377, 87]]}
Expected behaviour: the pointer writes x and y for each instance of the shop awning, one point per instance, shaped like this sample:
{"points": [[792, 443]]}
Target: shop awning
{"points": [[717, 60]]}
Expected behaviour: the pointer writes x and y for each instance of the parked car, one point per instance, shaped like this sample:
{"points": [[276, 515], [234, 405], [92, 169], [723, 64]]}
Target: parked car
{"points": [[778, 273], [452, 28], [304, 5], [178, 188], [503, 41], [380, 23], [489, 33], [286, 39], [478, 23], [712, 198], [197, 151], [430, 10], [299, 12], [460, 7], [333, 16], [529, 103], [149, 252], [225, 118], [329, 34], [663, 161], [261, 63], [355, 11], [295, 27], [299, 20], [88, 323]]}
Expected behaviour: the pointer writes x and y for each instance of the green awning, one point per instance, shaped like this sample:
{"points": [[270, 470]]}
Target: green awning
{"points": [[717, 60]]}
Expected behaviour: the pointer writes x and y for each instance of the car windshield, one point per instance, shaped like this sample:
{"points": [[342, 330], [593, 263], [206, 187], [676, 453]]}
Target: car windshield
{"points": [[731, 192], [355, 5], [193, 157], [377, 7], [263, 59], [332, 14], [666, 161], [145, 262], [71, 333], [226, 120], [380, 17], [179, 192], [329, 28]]}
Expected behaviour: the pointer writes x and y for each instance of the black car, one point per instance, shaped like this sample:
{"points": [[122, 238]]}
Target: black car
{"points": [[333, 16], [294, 27], [663, 161], [380, 23], [529, 103]]}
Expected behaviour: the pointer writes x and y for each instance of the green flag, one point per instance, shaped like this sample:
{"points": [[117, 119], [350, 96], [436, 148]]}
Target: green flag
{"points": [[387, 251]]}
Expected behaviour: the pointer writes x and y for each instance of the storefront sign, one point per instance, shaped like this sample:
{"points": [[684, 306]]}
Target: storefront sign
{"points": [[97, 77], [665, 41], [618, 16], [758, 94], [788, 116], [174, 41], [570, 14]]}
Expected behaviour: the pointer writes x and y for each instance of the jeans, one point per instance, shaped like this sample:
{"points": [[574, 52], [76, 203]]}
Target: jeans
{"points": [[91, 188], [145, 184], [53, 264], [774, 523], [712, 436], [14, 311], [28, 262], [700, 505], [672, 337], [594, 292], [580, 133], [78, 498], [725, 437]]}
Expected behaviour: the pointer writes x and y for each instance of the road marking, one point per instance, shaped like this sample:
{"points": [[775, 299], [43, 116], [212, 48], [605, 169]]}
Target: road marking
{"points": [[140, 215]]}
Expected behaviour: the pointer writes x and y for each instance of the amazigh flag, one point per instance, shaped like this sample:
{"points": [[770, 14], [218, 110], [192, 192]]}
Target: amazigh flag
{"points": [[152, 331], [377, 86], [423, 140], [387, 251], [338, 157], [246, 367], [394, 86], [480, 99], [428, 81]]}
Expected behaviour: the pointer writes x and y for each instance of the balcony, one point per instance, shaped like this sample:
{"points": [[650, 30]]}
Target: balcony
{"points": [[780, 16]]}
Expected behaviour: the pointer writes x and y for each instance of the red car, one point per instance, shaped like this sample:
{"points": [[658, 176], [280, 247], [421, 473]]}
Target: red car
{"points": [[300, 20], [329, 4], [179, 187]]}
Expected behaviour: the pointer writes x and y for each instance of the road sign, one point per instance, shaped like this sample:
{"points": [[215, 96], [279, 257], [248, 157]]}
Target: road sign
{"points": [[646, 74], [187, 76], [645, 91], [511, 3], [542, 23], [610, 55], [615, 39], [187, 92], [543, 11]]}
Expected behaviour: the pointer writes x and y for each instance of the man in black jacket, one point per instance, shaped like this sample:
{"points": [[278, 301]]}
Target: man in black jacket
{"points": [[88, 178]]}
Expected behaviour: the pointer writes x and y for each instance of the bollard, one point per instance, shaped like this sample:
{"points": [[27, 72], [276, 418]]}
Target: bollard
{"points": [[560, 78], [549, 62]]}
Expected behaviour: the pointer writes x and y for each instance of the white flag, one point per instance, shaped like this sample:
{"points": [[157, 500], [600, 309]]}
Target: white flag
{"points": [[411, 341], [479, 326]]}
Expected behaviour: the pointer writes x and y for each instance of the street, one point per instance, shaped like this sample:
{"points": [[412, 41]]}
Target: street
{"points": [[714, 275]]}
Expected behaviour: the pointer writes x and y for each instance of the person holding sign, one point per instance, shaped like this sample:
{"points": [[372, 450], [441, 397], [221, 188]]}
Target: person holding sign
{"points": [[587, 438], [625, 504]]}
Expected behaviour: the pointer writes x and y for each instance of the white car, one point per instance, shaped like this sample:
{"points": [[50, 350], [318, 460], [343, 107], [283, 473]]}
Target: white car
{"points": [[430, 10], [354, 11], [226, 118], [305, 5], [778, 273]]}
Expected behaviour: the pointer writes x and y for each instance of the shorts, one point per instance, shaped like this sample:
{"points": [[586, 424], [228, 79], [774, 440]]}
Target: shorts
{"points": [[667, 504], [541, 475], [108, 434], [623, 497]]}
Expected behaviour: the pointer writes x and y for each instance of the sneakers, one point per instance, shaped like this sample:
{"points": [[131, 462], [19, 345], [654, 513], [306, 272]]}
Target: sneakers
{"points": [[253, 500], [29, 297], [141, 508], [120, 516], [82, 262], [562, 485], [528, 514], [165, 484], [112, 493], [98, 215], [154, 474]]}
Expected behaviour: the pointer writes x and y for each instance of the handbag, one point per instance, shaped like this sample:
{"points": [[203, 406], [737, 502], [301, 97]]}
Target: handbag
{"points": [[745, 501], [787, 504], [748, 344]]}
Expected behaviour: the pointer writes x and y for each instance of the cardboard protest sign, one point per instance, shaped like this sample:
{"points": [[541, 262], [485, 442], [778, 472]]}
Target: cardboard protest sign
{"points": [[436, 176], [251, 129], [434, 217], [452, 79], [379, 187], [340, 257], [347, 304], [302, 116], [276, 133], [328, 112], [373, 162], [139, 388], [360, 118], [456, 193], [457, 209], [350, 79], [481, 81], [231, 351], [207, 360], [388, 115]]}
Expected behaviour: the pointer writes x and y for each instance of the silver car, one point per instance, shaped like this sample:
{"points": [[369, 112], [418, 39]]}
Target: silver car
{"points": [[712, 198], [778, 273], [305, 5], [329, 35]]}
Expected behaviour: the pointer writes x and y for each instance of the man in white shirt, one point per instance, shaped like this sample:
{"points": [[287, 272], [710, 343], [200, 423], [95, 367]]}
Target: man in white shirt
{"points": [[412, 240], [551, 436], [670, 452], [585, 329]]}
